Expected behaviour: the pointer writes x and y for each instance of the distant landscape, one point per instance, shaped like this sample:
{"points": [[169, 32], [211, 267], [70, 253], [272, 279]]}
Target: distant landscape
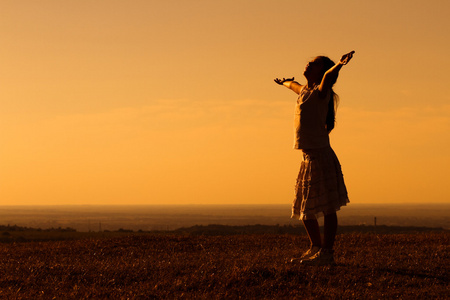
{"points": [[168, 218]]}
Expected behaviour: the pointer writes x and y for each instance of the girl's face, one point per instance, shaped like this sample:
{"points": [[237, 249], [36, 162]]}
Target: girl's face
{"points": [[314, 69]]}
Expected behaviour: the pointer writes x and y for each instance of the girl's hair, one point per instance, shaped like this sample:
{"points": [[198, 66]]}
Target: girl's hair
{"points": [[332, 105]]}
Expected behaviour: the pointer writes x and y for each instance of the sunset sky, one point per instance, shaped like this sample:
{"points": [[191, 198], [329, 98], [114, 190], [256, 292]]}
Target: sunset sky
{"points": [[173, 102]]}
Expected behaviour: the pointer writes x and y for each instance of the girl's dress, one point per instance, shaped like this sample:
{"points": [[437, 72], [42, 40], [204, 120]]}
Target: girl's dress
{"points": [[320, 187]]}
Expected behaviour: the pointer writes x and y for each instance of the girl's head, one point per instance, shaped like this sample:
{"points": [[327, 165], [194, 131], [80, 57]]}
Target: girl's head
{"points": [[314, 72], [316, 68]]}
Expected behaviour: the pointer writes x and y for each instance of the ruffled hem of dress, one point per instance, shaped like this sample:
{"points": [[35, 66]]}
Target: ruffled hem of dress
{"points": [[318, 212]]}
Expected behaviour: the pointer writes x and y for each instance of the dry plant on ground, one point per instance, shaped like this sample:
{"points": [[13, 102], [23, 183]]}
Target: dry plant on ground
{"points": [[370, 266]]}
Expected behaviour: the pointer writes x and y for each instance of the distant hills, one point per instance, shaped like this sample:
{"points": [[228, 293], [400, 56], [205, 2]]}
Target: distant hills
{"points": [[16, 233], [167, 218]]}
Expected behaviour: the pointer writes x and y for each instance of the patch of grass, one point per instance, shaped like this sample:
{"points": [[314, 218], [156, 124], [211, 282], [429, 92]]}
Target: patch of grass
{"points": [[146, 266]]}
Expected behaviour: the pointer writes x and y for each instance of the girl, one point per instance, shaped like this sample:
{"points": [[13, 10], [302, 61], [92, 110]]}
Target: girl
{"points": [[320, 189]]}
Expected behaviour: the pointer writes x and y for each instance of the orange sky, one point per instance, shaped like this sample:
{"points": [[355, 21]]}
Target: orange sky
{"points": [[173, 102]]}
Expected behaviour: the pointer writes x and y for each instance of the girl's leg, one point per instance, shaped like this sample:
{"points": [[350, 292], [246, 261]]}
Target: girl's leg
{"points": [[325, 255], [312, 228], [329, 230]]}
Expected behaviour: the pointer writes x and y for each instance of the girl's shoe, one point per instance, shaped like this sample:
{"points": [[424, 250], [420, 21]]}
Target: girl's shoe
{"points": [[322, 258], [308, 254]]}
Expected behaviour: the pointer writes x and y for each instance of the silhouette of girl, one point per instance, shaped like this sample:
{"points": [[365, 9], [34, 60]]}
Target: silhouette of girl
{"points": [[320, 189]]}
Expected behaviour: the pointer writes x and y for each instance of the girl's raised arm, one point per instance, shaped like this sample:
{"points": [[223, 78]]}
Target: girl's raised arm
{"points": [[330, 76], [290, 84]]}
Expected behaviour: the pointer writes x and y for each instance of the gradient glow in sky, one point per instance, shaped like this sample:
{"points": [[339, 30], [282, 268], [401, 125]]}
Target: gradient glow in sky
{"points": [[173, 102]]}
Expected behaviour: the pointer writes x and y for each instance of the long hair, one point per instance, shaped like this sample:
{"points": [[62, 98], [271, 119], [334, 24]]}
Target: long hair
{"points": [[334, 101]]}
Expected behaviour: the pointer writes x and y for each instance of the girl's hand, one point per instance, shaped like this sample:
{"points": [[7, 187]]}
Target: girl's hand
{"points": [[281, 81], [346, 58]]}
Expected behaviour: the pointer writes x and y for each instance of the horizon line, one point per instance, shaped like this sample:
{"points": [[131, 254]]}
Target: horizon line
{"points": [[215, 204]]}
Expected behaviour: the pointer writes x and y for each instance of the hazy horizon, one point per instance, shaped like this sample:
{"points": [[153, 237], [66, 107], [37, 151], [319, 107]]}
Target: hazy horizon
{"points": [[219, 204], [169, 217]]}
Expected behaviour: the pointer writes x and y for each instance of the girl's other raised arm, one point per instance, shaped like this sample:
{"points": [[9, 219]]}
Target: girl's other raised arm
{"points": [[290, 84], [330, 76]]}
